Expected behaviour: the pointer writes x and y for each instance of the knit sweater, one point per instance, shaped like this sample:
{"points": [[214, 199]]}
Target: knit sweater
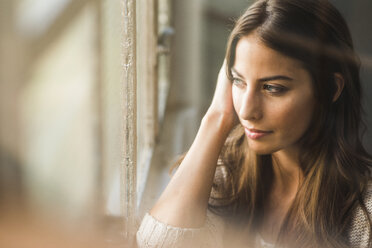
{"points": [[154, 233]]}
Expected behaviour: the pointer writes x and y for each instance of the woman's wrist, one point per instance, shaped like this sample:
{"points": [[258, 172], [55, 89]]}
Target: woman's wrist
{"points": [[223, 122]]}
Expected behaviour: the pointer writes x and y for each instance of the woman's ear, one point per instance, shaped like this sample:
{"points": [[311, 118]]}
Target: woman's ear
{"points": [[340, 82]]}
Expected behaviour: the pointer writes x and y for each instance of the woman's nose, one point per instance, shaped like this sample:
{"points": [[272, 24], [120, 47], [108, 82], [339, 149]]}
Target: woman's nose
{"points": [[251, 106]]}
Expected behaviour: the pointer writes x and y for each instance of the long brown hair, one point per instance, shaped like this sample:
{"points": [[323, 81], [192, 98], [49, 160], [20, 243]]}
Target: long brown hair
{"points": [[335, 165]]}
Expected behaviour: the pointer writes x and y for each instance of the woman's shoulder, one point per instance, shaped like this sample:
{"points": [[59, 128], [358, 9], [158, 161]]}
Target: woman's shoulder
{"points": [[360, 232], [368, 197]]}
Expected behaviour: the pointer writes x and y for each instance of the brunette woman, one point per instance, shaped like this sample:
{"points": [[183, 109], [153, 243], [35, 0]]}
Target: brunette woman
{"points": [[278, 160]]}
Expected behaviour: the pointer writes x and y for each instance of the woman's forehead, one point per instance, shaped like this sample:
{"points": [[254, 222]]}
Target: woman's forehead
{"points": [[253, 56]]}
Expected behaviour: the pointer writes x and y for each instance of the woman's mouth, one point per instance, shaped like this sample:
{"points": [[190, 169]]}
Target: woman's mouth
{"points": [[255, 133]]}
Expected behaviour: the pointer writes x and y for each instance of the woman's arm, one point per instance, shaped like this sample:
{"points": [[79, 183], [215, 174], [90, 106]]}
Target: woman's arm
{"points": [[184, 201]]}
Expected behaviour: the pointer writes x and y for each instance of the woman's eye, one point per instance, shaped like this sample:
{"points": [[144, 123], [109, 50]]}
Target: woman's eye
{"points": [[237, 82], [274, 89]]}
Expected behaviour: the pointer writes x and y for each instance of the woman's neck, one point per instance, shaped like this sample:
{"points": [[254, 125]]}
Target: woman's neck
{"points": [[286, 178], [287, 173]]}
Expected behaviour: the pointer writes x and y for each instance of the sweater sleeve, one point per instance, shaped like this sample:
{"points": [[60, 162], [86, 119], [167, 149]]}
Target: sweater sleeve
{"points": [[153, 233]]}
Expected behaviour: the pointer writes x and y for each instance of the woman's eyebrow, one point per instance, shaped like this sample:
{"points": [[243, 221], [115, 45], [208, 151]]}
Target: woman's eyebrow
{"points": [[276, 77], [266, 79], [235, 72]]}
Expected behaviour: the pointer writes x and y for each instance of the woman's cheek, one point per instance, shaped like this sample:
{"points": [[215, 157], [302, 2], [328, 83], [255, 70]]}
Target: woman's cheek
{"points": [[294, 118]]}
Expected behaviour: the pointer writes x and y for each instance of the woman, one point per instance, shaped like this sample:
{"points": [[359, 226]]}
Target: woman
{"points": [[278, 160]]}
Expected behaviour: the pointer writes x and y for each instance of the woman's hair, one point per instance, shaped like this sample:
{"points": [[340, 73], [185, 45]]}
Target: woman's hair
{"points": [[335, 165]]}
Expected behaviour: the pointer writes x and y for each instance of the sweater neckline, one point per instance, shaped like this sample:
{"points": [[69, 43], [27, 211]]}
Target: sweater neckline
{"points": [[263, 243]]}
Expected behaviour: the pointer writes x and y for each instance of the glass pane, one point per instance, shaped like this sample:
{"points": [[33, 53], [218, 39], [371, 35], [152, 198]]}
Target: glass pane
{"points": [[164, 61]]}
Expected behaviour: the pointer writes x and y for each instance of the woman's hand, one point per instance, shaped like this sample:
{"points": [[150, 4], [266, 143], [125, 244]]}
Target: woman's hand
{"points": [[222, 103]]}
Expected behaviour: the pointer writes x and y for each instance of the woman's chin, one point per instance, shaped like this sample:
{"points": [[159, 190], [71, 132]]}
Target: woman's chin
{"points": [[261, 149]]}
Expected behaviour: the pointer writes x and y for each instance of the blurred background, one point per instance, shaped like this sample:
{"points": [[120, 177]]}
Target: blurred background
{"points": [[64, 106]]}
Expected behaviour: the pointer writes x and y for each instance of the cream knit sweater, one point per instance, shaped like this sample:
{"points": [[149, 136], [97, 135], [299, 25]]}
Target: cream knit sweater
{"points": [[153, 233]]}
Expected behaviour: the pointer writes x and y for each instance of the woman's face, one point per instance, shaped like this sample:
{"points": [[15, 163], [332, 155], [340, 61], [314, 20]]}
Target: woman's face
{"points": [[272, 95]]}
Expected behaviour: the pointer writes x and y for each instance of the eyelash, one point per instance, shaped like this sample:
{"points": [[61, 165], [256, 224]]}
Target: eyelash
{"points": [[271, 89], [237, 82]]}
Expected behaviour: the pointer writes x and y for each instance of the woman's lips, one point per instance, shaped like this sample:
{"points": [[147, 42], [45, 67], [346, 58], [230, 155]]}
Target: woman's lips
{"points": [[255, 133]]}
